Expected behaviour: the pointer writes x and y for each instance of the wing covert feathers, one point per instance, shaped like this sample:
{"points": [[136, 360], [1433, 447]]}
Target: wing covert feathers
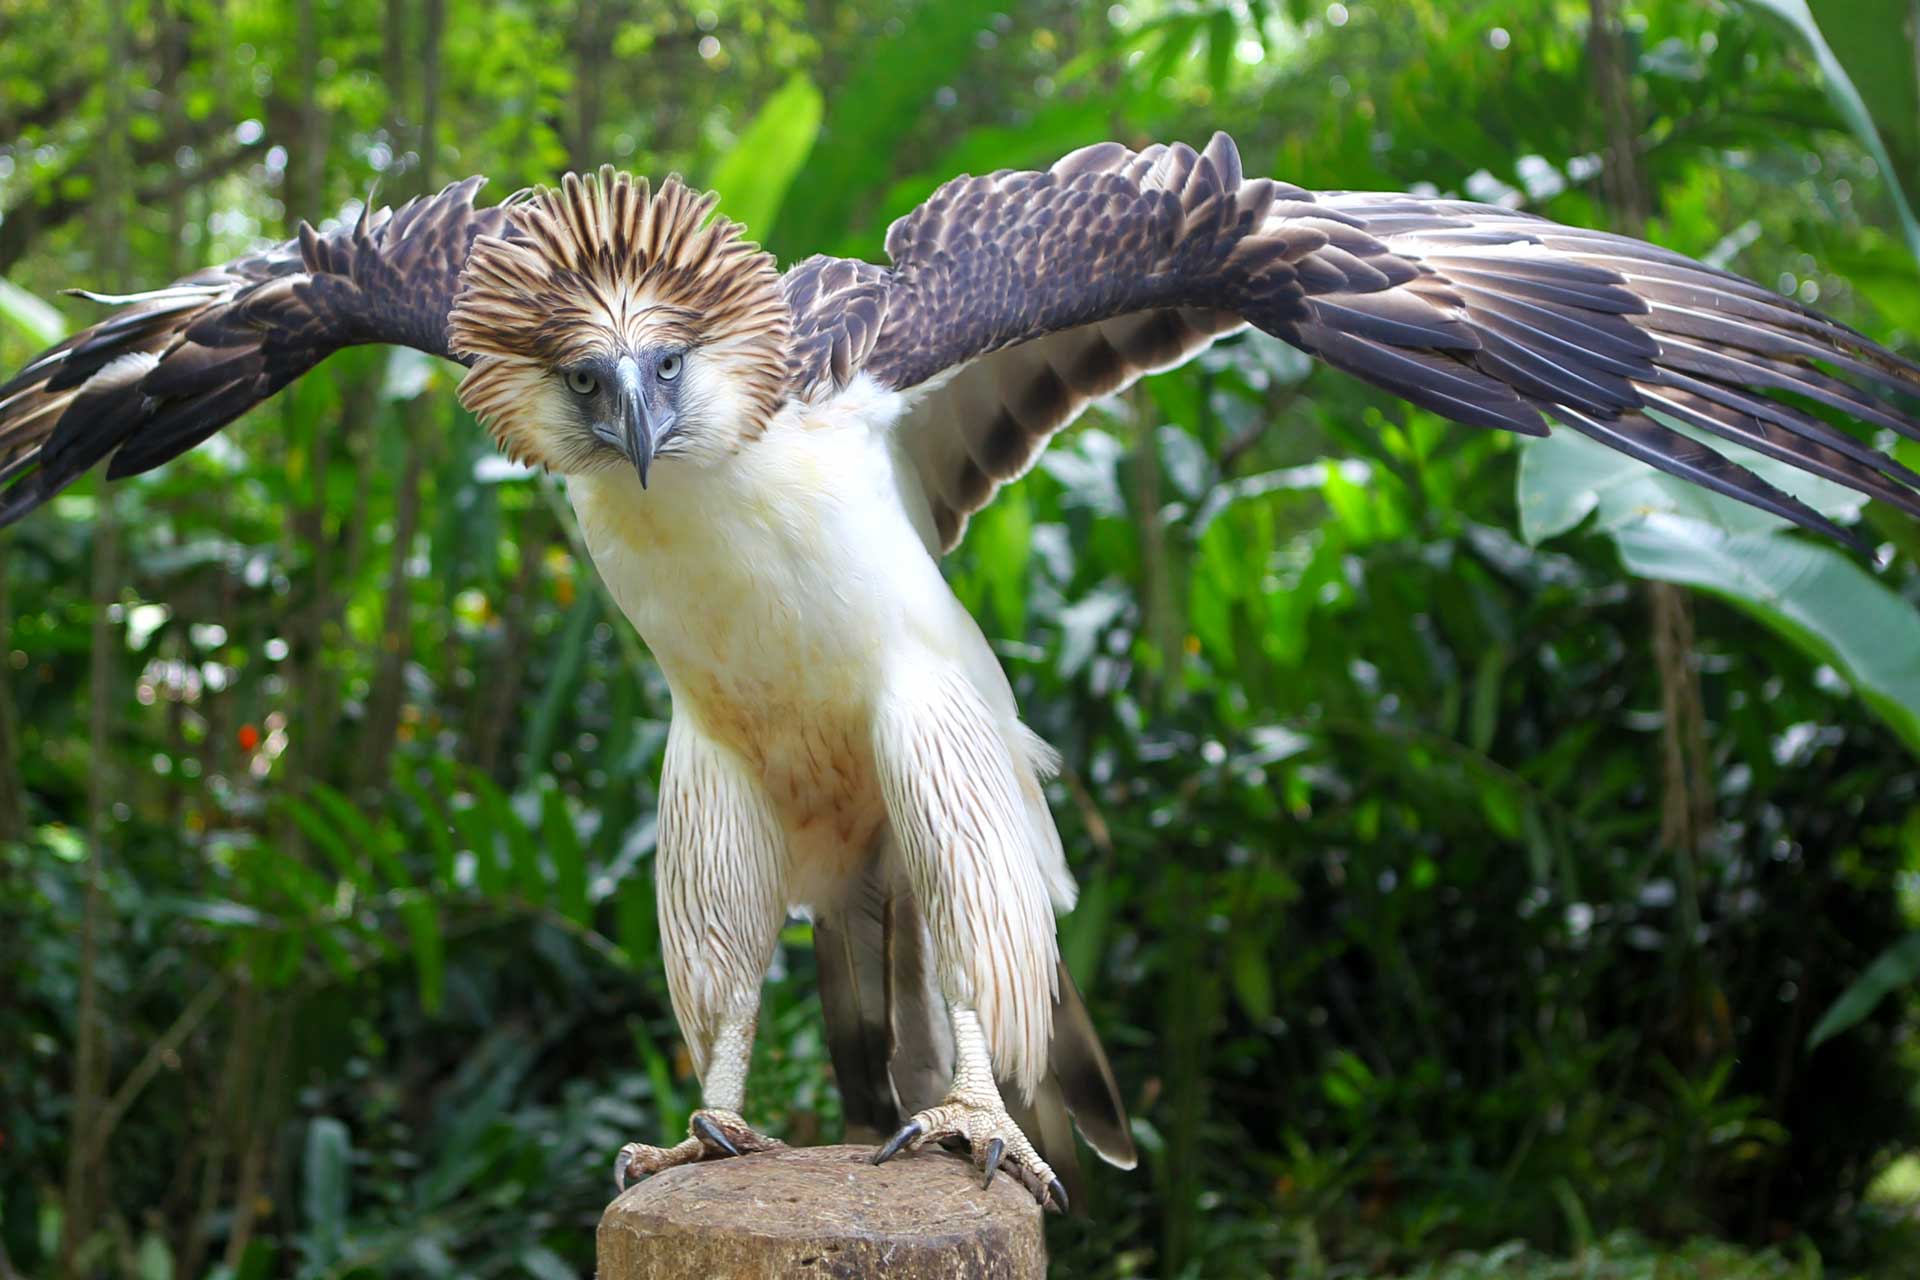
{"points": [[174, 365], [1016, 298]]}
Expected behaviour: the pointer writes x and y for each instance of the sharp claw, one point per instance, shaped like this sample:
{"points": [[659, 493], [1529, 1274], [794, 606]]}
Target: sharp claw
{"points": [[908, 1132], [709, 1132], [995, 1149], [1057, 1194], [623, 1165]]}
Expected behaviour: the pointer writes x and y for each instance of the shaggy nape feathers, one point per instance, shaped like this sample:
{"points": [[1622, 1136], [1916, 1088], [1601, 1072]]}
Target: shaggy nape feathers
{"points": [[605, 263]]}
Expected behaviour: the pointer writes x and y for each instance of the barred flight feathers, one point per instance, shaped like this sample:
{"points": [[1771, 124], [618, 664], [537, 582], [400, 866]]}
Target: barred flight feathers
{"points": [[1012, 301], [1015, 299], [177, 364]]}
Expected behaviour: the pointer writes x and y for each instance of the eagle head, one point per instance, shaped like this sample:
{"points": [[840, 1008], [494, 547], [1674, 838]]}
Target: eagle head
{"points": [[612, 325]]}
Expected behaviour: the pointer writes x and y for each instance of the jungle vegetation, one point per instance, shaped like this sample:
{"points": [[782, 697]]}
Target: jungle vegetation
{"points": [[1495, 861]]}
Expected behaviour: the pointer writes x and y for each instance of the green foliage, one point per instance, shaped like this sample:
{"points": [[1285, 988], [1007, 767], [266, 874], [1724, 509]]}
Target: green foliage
{"points": [[1623, 1257], [755, 176], [1666, 529], [36, 321], [1895, 969], [1364, 793], [1868, 70]]}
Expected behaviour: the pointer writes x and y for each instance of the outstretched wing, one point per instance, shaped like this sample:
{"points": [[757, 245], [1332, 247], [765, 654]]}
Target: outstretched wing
{"points": [[177, 364], [1015, 299]]}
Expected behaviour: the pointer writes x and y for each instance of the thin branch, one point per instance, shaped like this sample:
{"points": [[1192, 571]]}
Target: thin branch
{"points": [[25, 223], [13, 807], [149, 1066]]}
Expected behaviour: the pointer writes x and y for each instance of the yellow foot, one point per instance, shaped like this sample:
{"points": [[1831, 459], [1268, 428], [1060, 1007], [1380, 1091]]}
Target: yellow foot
{"points": [[996, 1142], [713, 1135]]}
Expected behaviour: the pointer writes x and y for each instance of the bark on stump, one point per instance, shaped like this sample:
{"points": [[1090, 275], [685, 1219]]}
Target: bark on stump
{"points": [[820, 1212]]}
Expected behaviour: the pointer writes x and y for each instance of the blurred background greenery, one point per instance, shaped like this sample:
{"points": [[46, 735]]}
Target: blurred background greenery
{"points": [[1452, 906]]}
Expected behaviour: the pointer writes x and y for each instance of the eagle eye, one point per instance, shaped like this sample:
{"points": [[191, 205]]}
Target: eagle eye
{"points": [[670, 367], [580, 382]]}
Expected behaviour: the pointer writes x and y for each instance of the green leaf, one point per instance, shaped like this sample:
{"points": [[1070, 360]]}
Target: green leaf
{"points": [[1676, 532], [472, 822], [1896, 967], [571, 654], [1484, 721], [1000, 539], [422, 920], [1865, 49], [323, 1193], [562, 840], [36, 320], [408, 374], [1501, 806], [1564, 477], [1222, 33], [1814, 596], [434, 825], [544, 1264], [153, 1261], [320, 828], [523, 851], [1874, 41], [754, 177], [1252, 973], [636, 919], [1083, 931], [875, 108], [1040, 138], [672, 1109], [379, 847]]}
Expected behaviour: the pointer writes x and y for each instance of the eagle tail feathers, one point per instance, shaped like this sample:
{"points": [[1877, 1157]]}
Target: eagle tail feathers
{"points": [[891, 1042], [1077, 1066], [849, 947]]}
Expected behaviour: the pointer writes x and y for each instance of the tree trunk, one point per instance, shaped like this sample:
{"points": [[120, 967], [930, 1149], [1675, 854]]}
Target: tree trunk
{"points": [[590, 50], [396, 633], [1686, 796], [492, 709], [823, 1211], [13, 804], [90, 1050], [389, 688]]}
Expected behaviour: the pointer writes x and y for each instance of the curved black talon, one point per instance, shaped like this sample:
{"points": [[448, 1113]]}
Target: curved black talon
{"points": [[995, 1149], [709, 1132], [1057, 1194], [908, 1133]]}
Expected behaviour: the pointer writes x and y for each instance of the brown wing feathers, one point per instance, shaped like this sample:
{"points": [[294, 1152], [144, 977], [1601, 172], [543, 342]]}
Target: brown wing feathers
{"points": [[177, 364], [1481, 314], [1585, 325], [1016, 298]]}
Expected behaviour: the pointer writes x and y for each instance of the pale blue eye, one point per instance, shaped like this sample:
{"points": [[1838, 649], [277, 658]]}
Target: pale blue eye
{"points": [[581, 382], [670, 368]]}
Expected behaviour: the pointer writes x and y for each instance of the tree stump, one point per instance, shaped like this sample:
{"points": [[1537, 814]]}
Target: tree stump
{"points": [[823, 1211]]}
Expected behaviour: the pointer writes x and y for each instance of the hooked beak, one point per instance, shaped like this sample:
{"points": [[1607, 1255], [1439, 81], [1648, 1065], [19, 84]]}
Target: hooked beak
{"points": [[639, 433]]}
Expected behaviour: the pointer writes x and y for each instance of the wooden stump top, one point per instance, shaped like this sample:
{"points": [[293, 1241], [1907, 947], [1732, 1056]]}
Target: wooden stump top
{"points": [[823, 1212]]}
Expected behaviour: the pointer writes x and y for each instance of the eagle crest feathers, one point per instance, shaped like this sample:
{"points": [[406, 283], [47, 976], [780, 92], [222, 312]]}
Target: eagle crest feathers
{"points": [[604, 262]]}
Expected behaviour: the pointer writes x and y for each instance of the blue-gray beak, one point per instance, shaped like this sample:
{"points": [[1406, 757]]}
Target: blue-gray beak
{"points": [[638, 431]]}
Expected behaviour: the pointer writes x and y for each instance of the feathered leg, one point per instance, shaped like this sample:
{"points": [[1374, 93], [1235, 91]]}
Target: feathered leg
{"points": [[721, 876], [975, 861], [974, 1110]]}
